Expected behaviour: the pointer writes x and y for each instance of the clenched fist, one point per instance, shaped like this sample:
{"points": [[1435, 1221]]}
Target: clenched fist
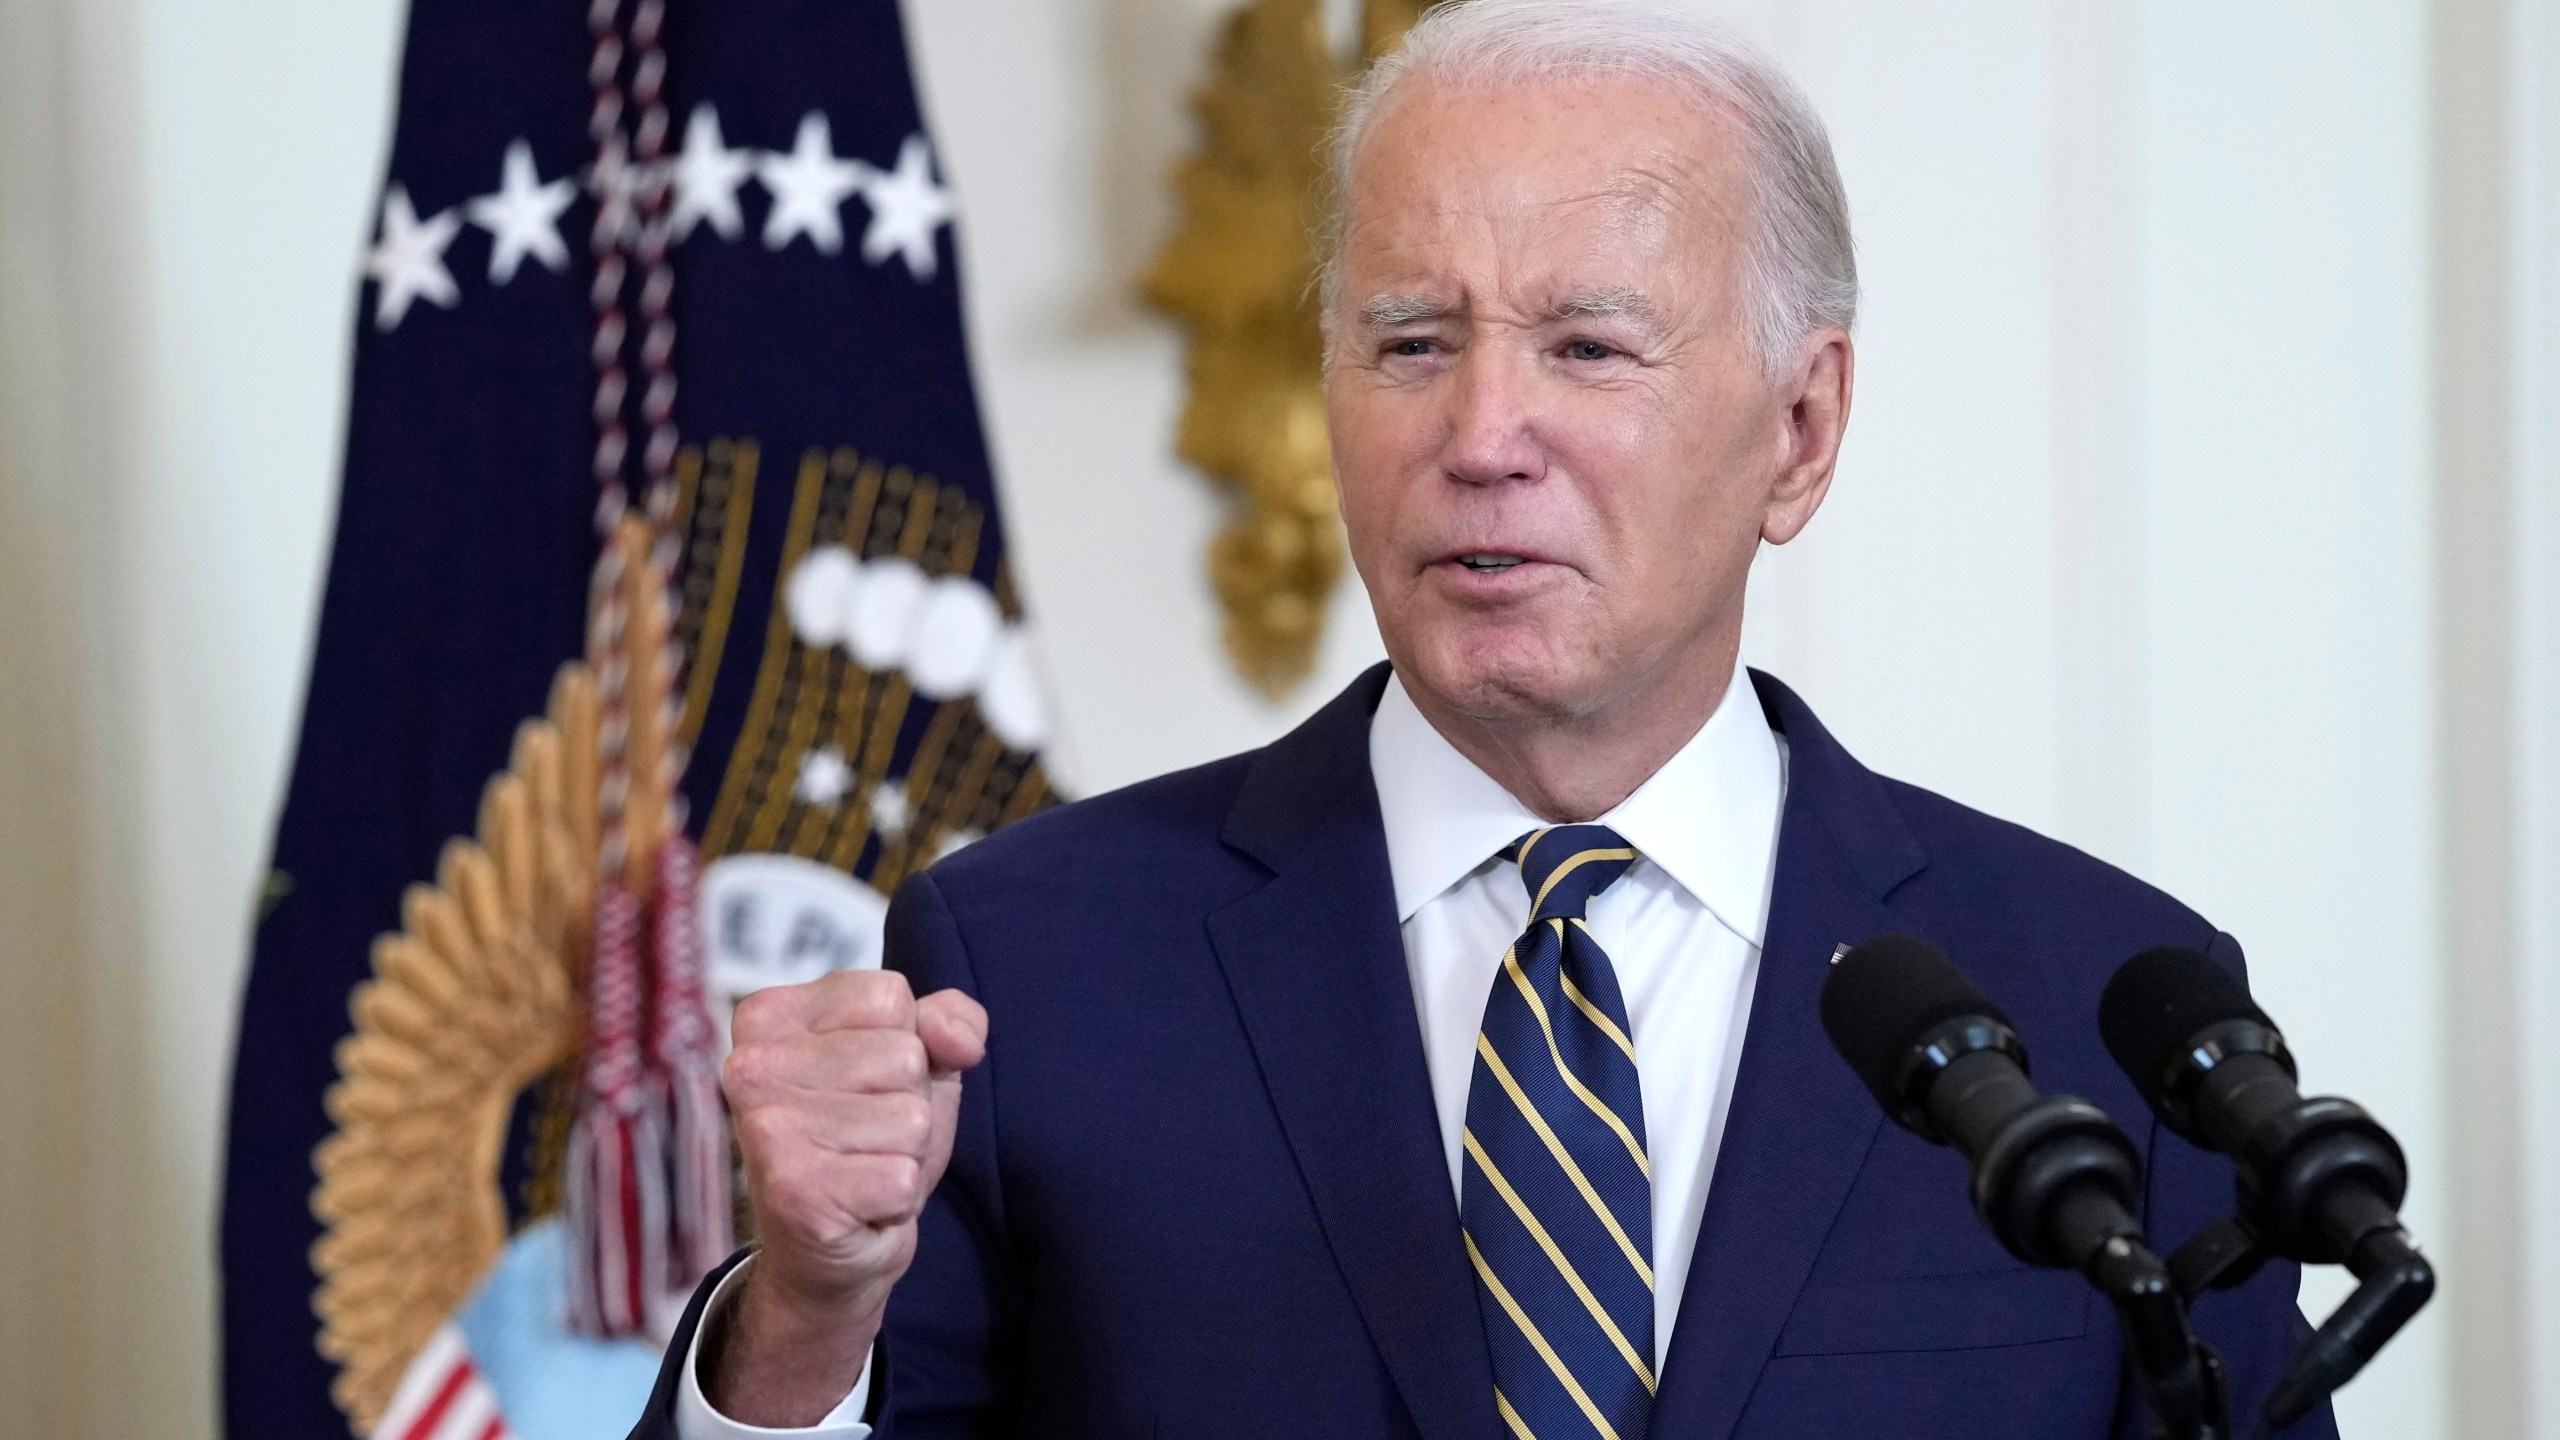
{"points": [[843, 1092]]}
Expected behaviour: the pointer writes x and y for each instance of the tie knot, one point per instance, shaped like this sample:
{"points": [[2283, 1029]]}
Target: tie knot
{"points": [[1565, 865]]}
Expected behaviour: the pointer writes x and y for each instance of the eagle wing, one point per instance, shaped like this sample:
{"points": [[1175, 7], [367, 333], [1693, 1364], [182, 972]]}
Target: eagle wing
{"points": [[477, 996]]}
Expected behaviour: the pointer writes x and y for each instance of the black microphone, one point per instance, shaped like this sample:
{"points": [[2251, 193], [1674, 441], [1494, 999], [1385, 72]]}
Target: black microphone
{"points": [[2052, 1176], [2319, 1180], [2317, 1177]]}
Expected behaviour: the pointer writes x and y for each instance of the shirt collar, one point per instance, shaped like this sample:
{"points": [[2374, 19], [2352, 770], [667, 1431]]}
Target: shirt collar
{"points": [[1708, 817]]}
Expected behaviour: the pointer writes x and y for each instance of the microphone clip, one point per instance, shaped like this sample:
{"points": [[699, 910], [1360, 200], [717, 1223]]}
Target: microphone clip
{"points": [[2395, 1282], [2182, 1376]]}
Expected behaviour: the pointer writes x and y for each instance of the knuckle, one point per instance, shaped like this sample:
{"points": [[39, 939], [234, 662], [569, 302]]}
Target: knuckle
{"points": [[887, 1000], [901, 1176], [905, 1057], [910, 1122], [765, 1136], [902, 1250], [885, 1185], [757, 1016]]}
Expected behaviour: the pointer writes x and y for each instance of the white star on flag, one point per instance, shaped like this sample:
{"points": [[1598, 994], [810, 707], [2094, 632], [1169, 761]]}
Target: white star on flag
{"points": [[906, 208], [824, 777], [408, 261], [889, 808], [523, 217], [808, 184], [707, 176]]}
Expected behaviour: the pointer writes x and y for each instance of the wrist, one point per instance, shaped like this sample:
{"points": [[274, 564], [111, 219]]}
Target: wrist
{"points": [[782, 1358]]}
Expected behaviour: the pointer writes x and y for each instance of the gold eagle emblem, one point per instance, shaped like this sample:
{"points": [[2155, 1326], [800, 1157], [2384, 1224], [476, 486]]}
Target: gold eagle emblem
{"points": [[478, 996]]}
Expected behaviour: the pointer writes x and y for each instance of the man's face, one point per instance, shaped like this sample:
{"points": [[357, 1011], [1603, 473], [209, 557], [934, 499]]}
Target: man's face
{"points": [[1556, 447]]}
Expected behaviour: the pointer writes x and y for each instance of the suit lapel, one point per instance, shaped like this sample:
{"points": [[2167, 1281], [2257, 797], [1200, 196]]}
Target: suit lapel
{"points": [[1800, 1125], [1316, 965]]}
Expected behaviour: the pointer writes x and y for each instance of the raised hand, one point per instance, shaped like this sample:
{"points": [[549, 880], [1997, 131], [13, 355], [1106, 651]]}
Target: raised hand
{"points": [[844, 1093]]}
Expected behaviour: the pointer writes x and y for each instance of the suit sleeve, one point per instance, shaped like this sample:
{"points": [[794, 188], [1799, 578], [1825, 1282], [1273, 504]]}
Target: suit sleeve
{"points": [[658, 1422], [954, 1335], [951, 1344], [2255, 1326]]}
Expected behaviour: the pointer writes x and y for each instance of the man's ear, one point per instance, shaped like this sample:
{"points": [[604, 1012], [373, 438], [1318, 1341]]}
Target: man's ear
{"points": [[1816, 414]]}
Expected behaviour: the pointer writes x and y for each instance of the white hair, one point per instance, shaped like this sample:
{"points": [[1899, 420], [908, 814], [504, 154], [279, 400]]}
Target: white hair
{"points": [[1800, 269]]}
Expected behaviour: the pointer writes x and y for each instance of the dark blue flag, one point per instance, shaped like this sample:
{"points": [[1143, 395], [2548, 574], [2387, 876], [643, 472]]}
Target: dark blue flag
{"points": [[695, 261]]}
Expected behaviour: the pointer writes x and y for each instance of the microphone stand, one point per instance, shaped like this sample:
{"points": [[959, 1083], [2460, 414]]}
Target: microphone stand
{"points": [[2319, 1180], [2181, 1376], [2396, 1282]]}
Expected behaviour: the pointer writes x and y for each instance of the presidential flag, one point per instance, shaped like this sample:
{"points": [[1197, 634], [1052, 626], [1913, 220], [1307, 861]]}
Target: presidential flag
{"points": [[667, 626]]}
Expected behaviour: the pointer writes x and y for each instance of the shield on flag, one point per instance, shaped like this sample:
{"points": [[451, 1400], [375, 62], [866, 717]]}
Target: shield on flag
{"points": [[667, 626]]}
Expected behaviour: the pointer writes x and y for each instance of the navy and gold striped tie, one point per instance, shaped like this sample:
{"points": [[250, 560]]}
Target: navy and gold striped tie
{"points": [[1557, 1195]]}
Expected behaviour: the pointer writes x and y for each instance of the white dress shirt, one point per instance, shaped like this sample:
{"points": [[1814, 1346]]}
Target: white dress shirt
{"points": [[1682, 928]]}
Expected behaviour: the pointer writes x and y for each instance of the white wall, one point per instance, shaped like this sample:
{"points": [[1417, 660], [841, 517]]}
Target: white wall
{"points": [[2131, 540], [1058, 123], [2532, 172], [2288, 658], [183, 198]]}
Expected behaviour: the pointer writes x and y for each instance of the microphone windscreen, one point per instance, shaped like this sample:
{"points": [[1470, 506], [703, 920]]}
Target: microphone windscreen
{"points": [[2157, 1002], [1883, 996]]}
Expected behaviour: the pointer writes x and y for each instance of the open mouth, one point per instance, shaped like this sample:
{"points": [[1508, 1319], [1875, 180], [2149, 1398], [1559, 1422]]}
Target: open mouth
{"points": [[1491, 564]]}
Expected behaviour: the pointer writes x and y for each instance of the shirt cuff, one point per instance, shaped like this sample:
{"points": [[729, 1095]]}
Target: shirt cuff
{"points": [[696, 1420]]}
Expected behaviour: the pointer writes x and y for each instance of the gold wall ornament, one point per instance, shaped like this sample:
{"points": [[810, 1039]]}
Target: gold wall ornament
{"points": [[480, 995], [1239, 273], [1383, 23]]}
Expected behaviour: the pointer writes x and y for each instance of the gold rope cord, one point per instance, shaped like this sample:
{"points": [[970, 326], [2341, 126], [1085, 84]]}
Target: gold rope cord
{"points": [[479, 995], [713, 518], [715, 499], [1239, 274], [751, 763]]}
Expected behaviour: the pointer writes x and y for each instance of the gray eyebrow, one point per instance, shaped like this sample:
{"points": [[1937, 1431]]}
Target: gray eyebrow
{"points": [[1619, 301], [1387, 312]]}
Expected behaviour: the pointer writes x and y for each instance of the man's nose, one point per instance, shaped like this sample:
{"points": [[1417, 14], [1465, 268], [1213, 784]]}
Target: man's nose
{"points": [[1492, 437]]}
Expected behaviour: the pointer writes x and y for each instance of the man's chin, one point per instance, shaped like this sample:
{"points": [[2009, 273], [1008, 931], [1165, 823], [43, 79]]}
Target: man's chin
{"points": [[1499, 689]]}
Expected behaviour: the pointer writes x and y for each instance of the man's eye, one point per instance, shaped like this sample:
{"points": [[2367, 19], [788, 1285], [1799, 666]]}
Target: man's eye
{"points": [[1411, 349], [1587, 350]]}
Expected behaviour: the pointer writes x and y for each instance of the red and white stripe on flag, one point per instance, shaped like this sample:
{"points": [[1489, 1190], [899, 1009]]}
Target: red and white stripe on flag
{"points": [[442, 1397]]}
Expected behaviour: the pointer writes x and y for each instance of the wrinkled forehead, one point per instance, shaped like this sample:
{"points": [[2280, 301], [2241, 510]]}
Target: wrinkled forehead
{"points": [[1612, 175]]}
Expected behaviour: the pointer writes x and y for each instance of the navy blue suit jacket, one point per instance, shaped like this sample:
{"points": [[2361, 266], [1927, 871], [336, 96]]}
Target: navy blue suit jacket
{"points": [[1198, 1189]]}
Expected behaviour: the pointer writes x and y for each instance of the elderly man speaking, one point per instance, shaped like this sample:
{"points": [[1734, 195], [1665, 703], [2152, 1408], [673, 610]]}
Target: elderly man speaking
{"points": [[1450, 1068]]}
